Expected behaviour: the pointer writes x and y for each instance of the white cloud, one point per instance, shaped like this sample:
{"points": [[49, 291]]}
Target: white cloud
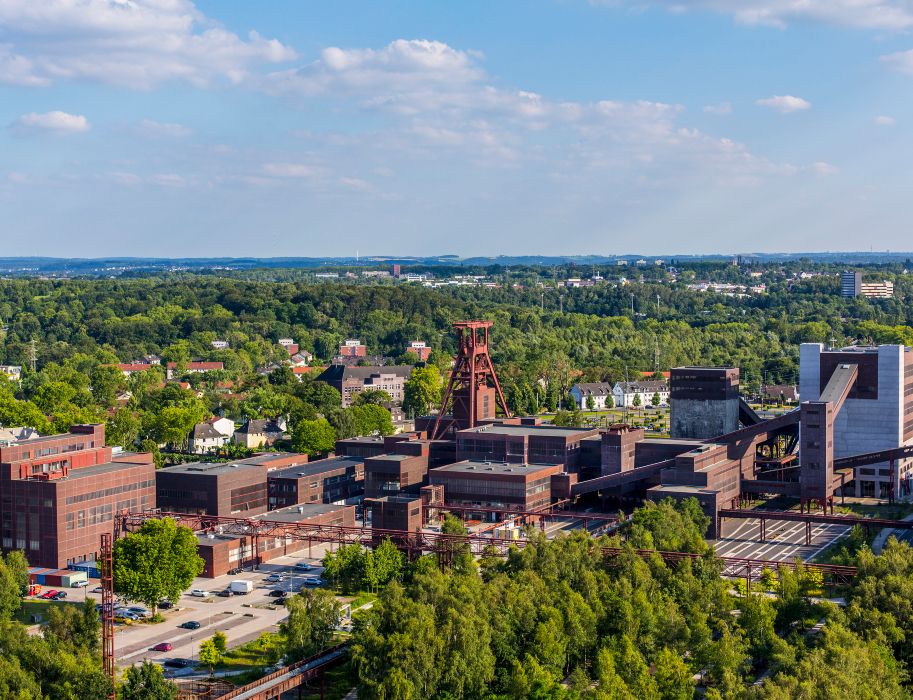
{"points": [[169, 180], [290, 170], [722, 109], [154, 128], [55, 122], [785, 104], [883, 120], [901, 61], [822, 168], [130, 43], [892, 15]]}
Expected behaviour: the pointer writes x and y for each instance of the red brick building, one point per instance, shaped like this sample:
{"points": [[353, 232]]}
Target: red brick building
{"points": [[233, 488], [388, 474], [324, 481], [59, 493], [221, 552], [510, 486], [353, 348]]}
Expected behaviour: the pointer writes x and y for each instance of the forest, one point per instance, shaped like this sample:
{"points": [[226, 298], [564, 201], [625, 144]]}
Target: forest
{"points": [[545, 339]]}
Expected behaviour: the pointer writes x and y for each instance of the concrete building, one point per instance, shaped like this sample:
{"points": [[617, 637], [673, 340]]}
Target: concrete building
{"points": [[219, 344], [522, 444], [395, 512], [852, 286], [350, 380], [512, 486], [878, 413], [193, 367], [704, 401], [233, 488], [625, 392], [59, 493], [332, 480], [599, 392]]}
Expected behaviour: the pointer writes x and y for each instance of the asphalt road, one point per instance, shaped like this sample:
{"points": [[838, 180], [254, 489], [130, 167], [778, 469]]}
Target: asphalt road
{"points": [[785, 540]]}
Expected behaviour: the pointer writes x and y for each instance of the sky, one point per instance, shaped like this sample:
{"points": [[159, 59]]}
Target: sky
{"points": [[229, 128]]}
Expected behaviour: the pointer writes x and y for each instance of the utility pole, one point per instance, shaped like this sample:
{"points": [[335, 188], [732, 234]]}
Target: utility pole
{"points": [[632, 304], [33, 355]]}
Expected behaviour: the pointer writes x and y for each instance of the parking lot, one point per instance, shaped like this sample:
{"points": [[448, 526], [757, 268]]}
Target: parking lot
{"points": [[241, 617]]}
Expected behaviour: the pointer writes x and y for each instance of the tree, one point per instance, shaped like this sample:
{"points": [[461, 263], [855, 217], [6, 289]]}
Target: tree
{"points": [[422, 391], [123, 428], [637, 402], [655, 400], [673, 679], [210, 655], [14, 581], [377, 397], [220, 640], [147, 682], [382, 565], [313, 436], [590, 403], [313, 615], [156, 563], [609, 401], [455, 551]]}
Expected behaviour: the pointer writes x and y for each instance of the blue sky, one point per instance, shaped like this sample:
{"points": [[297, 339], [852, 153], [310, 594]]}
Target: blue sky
{"points": [[229, 128]]}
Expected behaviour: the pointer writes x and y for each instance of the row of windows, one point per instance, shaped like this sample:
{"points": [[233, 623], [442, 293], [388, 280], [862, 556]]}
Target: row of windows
{"points": [[113, 491]]}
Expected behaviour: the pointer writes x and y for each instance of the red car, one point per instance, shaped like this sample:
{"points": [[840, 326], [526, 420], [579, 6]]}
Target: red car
{"points": [[163, 646], [49, 594]]}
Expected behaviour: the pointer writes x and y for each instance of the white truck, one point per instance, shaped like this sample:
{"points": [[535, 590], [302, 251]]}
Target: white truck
{"points": [[241, 587]]}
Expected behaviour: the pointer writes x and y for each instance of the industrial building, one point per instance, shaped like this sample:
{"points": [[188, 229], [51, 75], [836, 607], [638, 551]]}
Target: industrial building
{"points": [[330, 480], [59, 493], [523, 444], [508, 485], [852, 286], [388, 474], [213, 488], [877, 414]]}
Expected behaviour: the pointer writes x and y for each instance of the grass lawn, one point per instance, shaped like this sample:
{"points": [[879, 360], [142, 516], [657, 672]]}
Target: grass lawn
{"points": [[32, 606], [362, 598], [895, 511]]}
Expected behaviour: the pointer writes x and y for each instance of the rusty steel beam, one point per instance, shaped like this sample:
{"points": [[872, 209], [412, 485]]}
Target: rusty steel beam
{"points": [[823, 518]]}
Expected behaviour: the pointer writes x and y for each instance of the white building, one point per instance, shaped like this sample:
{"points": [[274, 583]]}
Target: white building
{"points": [[624, 392], [875, 416], [220, 344], [12, 372], [598, 391]]}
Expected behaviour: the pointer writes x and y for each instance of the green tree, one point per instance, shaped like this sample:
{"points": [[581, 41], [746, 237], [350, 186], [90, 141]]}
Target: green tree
{"points": [[655, 400], [313, 437], [210, 656], [673, 679], [422, 391], [123, 428], [382, 565], [14, 581], [313, 615], [157, 562], [377, 397], [637, 402], [590, 403], [220, 640], [147, 682], [609, 401]]}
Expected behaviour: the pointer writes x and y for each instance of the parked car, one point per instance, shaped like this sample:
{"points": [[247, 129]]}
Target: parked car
{"points": [[165, 605], [304, 566], [225, 593], [191, 625], [97, 589], [139, 610], [277, 593], [275, 578], [234, 572], [48, 595], [200, 593], [79, 584], [178, 663], [60, 595], [312, 581], [163, 646]]}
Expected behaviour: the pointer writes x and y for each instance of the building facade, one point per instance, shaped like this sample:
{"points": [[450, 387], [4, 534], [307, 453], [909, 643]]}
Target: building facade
{"points": [[59, 493], [510, 486], [332, 480], [597, 393], [351, 380], [877, 415], [640, 393]]}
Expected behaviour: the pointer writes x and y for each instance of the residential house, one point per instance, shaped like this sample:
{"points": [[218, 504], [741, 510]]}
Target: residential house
{"points": [[291, 347], [193, 367], [260, 433], [129, 368], [787, 393], [204, 438], [419, 349], [12, 372], [302, 358], [353, 347], [219, 344], [224, 425], [599, 392], [624, 392], [18, 434]]}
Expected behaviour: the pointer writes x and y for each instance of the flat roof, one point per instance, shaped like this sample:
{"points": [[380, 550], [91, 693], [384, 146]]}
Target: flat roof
{"points": [[500, 429], [269, 457], [303, 511], [482, 467], [95, 469], [363, 438], [393, 458], [318, 467], [214, 468]]}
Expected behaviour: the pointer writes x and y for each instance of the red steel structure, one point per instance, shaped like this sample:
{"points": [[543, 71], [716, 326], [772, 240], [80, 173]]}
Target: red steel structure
{"points": [[107, 606], [473, 398]]}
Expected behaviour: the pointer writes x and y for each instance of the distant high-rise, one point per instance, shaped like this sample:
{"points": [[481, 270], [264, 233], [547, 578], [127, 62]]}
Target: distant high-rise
{"points": [[852, 286]]}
